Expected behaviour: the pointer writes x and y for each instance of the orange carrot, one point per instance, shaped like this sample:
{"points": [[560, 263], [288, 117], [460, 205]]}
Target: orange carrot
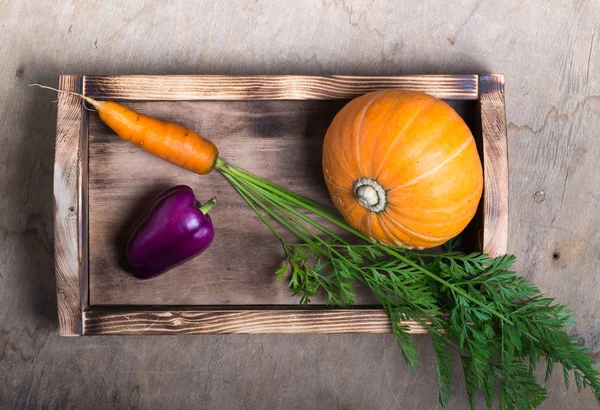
{"points": [[172, 142]]}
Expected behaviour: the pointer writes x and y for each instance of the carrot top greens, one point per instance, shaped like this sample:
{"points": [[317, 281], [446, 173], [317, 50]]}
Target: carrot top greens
{"points": [[499, 322]]}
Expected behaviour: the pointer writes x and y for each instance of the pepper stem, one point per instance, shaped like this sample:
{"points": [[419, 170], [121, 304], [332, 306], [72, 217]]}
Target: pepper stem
{"points": [[208, 205]]}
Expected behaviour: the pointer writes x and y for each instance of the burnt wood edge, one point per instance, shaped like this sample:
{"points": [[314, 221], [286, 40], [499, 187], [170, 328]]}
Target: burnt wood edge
{"points": [[84, 228], [272, 87], [190, 321], [131, 320], [493, 130], [67, 208]]}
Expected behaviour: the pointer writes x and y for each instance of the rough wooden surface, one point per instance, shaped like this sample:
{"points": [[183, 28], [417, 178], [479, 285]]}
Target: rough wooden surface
{"points": [[495, 164], [273, 87], [278, 140], [548, 52], [297, 321], [68, 168]]}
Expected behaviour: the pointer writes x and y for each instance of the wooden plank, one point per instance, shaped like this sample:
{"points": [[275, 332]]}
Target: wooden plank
{"points": [[117, 321], [493, 127], [280, 87], [279, 140], [67, 208]]}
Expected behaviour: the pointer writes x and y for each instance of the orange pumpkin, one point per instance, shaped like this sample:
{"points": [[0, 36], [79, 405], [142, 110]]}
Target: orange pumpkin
{"points": [[402, 167]]}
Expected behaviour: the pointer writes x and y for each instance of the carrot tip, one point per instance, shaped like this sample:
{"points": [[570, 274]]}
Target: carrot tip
{"points": [[89, 100]]}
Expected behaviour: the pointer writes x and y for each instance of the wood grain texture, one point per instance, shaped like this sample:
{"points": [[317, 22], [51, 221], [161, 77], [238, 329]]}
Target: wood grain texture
{"points": [[495, 165], [67, 204], [215, 87], [548, 52], [278, 140], [290, 321]]}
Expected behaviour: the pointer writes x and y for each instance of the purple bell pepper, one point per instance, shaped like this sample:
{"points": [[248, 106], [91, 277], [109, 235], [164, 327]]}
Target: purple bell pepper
{"points": [[174, 230]]}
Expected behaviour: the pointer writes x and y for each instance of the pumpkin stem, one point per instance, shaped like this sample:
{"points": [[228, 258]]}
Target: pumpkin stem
{"points": [[369, 194]]}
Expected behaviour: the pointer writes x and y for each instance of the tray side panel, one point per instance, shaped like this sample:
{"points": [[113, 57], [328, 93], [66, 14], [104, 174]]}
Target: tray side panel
{"points": [[115, 321], [278, 87], [493, 127], [67, 169]]}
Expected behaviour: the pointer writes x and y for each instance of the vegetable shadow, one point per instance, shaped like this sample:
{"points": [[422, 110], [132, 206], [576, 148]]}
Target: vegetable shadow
{"points": [[318, 118]]}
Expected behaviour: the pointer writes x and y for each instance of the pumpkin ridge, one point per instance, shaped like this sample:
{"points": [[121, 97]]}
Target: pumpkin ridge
{"points": [[400, 133], [432, 225], [420, 235], [434, 140], [369, 227], [450, 207], [378, 230], [388, 232], [439, 166], [359, 132], [341, 156], [381, 125], [329, 181], [351, 207]]}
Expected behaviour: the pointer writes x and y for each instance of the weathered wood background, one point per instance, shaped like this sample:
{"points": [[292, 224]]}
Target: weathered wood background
{"points": [[549, 54]]}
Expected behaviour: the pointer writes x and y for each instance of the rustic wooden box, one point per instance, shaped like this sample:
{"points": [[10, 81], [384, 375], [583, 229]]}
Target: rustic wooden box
{"points": [[270, 125]]}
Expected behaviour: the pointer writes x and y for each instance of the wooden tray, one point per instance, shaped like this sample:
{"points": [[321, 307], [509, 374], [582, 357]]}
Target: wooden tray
{"points": [[270, 125]]}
